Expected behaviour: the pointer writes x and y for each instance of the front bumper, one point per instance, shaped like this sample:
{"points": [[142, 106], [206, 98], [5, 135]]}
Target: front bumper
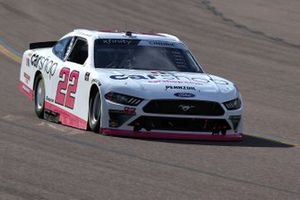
{"points": [[129, 121]]}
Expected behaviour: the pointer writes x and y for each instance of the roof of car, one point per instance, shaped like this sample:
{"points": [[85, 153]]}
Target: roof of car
{"points": [[115, 34]]}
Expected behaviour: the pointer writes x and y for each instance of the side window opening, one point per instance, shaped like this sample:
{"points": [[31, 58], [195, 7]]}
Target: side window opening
{"points": [[79, 52], [60, 47]]}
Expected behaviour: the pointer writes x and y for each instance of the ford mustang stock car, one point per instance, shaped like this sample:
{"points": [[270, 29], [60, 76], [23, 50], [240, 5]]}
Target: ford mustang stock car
{"points": [[145, 85]]}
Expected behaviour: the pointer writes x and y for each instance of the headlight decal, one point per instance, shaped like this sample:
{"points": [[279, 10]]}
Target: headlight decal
{"points": [[123, 99], [233, 104]]}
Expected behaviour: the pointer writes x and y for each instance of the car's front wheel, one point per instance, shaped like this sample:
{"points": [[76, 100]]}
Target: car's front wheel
{"points": [[95, 112], [39, 97]]}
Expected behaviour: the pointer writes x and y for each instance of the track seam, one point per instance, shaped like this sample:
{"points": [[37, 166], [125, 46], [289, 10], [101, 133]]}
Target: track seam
{"points": [[208, 5]]}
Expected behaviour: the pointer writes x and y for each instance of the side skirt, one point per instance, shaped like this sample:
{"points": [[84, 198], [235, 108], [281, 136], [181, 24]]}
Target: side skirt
{"points": [[56, 114]]}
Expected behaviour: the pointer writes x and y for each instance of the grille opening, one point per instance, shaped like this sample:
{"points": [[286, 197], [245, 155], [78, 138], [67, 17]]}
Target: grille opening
{"points": [[184, 107], [118, 117], [215, 126]]}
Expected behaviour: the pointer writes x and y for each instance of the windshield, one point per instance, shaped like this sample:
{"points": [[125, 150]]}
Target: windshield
{"points": [[128, 54]]}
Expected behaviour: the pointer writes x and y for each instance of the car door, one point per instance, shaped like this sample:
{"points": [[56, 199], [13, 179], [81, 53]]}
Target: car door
{"points": [[71, 87], [59, 51]]}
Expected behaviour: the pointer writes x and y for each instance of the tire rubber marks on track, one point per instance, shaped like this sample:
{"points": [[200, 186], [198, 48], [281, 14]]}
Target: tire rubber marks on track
{"points": [[11, 117], [62, 129], [208, 5]]}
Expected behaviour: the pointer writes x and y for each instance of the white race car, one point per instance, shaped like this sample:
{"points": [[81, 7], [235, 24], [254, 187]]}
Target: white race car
{"points": [[145, 85]]}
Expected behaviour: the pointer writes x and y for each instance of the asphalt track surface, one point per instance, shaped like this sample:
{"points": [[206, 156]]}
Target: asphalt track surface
{"points": [[255, 43]]}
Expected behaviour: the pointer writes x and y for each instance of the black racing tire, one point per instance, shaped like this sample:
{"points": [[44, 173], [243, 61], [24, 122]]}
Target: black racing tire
{"points": [[95, 112], [39, 96]]}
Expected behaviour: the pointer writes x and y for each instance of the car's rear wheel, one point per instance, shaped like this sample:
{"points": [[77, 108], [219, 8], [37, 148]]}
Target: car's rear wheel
{"points": [[39, 97], [95, 112]]}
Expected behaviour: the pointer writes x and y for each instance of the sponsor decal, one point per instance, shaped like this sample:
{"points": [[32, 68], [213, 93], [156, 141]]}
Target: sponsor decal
{"points": [[26, 88], [49, 99], [134, 77], [87, 76], [161, 77], [27, 77], [129, 110], [185, 108], [170, 87], [27, 62], [161, 43], [184, 94], [175, 82], [44, 64], [117, 41]]}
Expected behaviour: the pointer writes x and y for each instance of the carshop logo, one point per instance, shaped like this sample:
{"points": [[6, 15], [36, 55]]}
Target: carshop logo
{"points": [[43, 64]]}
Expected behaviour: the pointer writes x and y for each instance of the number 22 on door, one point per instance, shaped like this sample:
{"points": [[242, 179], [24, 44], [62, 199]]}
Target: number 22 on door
{"points": [[67, 87]]}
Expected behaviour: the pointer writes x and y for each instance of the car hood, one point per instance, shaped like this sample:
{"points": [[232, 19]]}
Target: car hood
{"points": [[165, 85]]}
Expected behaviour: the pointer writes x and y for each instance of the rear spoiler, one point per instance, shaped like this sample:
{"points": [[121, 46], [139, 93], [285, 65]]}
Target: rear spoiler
{"points": [[37, 45]]}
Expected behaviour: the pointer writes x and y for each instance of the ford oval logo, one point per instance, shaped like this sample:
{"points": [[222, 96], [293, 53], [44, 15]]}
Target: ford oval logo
{"points": [[184, 94]]}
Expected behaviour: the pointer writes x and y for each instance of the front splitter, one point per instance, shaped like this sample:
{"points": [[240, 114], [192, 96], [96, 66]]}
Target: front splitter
{"points": [[170, 135]]}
